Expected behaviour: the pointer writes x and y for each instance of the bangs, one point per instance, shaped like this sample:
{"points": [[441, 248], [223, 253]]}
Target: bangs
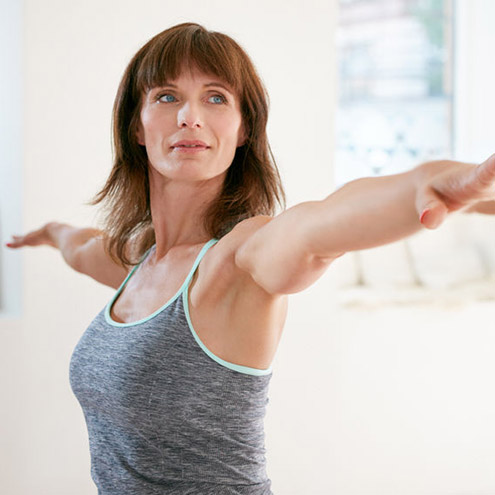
{"points": [[208, 52]]}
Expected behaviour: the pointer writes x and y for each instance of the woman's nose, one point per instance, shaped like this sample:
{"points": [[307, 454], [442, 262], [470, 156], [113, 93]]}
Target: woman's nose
{"points": [[189, 116]]}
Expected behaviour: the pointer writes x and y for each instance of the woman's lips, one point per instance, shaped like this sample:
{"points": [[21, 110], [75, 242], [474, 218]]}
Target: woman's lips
{"points": [[189, 146], [192, 149]]}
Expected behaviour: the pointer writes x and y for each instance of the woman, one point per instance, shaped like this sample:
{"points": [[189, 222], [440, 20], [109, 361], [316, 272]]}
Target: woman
{"points": [[172, 375]]}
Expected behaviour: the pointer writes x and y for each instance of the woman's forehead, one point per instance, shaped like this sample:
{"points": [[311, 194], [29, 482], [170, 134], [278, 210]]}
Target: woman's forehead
{"points": [[207, 78]]}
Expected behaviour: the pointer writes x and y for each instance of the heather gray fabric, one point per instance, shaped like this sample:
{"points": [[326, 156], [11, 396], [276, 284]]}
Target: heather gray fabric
{"points": [[165, 415]]}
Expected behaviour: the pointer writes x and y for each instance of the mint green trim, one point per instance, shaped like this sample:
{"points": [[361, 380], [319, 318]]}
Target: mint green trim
{"points": [[236, 367], [114, 323]]}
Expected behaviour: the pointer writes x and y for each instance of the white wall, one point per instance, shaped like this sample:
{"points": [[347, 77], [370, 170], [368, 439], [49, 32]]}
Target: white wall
{"points": [[11, 113], [11, 380], [475, 77], [384, 401]]}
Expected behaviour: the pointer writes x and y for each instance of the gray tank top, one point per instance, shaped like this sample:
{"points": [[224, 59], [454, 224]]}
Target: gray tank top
{"points": [[164, 414]]}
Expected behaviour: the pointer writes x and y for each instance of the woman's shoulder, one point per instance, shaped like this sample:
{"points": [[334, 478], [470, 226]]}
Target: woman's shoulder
{"points": [[231, 242], [219, 261], [220, 278]]}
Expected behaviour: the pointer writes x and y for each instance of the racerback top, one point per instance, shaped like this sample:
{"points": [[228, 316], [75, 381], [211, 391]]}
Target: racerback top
{"points": [[164, 414]]}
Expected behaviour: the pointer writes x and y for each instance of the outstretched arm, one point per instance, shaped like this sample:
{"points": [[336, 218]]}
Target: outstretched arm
{"points": [[291, 251], [66, 238], [83, 250]]}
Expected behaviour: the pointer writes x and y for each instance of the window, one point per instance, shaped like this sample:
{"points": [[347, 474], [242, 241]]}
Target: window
{"points": [[394, 84], [397, 90]]}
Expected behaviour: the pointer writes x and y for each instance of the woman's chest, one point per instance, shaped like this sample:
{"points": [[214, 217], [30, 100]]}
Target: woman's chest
{"points": [[232, 318], [145, 294]]}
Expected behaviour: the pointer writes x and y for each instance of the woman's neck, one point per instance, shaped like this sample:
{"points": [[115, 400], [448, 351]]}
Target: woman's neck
{"points": [[177, 211]]}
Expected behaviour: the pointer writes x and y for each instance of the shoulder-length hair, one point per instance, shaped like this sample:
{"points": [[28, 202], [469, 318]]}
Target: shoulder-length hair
{"points": [[252, 185]]}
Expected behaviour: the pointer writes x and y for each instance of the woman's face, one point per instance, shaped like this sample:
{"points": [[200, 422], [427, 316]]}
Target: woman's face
{"points": [[191, 127]]}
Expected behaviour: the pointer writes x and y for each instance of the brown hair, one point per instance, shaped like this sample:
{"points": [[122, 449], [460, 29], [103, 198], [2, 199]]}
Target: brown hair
{"points": [[252, 185]]}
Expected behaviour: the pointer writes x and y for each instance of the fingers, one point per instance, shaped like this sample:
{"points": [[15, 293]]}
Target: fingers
{"points": [[34, 238], [485, 175], [17, 242], [433, 215], [431, 210], [452, 188]]}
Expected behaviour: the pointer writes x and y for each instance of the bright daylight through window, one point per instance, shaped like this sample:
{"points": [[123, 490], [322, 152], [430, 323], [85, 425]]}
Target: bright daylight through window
{"points": [[395, 85]]}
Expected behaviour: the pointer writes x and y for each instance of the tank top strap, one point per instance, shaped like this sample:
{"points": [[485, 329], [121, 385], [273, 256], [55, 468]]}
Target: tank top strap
{"points": [[203, 251]]}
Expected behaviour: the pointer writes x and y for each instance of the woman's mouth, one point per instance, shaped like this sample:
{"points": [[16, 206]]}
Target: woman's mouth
{"points": [[189, 146]]}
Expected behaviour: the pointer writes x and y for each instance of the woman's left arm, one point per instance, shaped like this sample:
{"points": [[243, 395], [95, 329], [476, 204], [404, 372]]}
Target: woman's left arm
{"points": [[291, 251]]}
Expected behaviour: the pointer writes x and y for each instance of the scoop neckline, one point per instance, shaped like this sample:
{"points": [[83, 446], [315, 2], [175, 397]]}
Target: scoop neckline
{"points": [[184, 285]]}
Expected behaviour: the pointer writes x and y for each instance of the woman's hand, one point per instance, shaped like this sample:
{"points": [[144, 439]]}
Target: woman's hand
{"points": [[37, 237], [451, 186], [82, 248]]}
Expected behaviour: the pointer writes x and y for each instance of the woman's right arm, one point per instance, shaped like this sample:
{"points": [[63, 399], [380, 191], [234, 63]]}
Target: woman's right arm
{"points": [[82, 249]]}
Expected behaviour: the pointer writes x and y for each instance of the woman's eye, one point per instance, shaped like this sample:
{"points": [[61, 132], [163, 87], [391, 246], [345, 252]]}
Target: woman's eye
{"points": [[167, 98], [218, 99]]}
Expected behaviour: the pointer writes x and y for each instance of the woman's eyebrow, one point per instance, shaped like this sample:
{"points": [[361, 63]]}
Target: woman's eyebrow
{"points": [[207, 85], [219, 84]]}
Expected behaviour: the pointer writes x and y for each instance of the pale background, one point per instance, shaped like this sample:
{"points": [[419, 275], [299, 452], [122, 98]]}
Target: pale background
{"points": [[381, 398]]}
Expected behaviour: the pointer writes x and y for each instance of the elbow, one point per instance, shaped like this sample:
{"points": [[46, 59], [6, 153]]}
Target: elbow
{"points": [[75, 260]]}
